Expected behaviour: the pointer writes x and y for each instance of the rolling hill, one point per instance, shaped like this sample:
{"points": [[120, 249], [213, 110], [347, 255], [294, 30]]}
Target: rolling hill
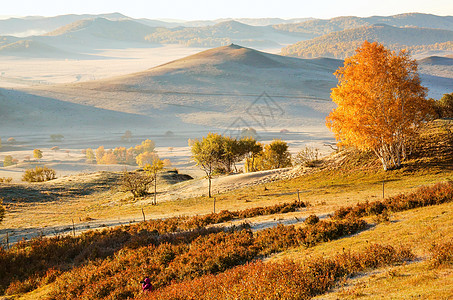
{"points": [[216, 89], [341, 44]]}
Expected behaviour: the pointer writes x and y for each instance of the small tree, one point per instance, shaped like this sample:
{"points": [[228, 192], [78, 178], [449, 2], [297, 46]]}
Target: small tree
{"points": [[89, 155], [37, 154], [11, 140], [276, 155], [138, 183], [127, 136], [55, 149], [100, 152], [251, 149], [8, 161], [206, 153], [153, 169]]}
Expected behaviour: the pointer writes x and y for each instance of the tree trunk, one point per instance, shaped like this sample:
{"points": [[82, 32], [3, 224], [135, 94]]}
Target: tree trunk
{"points": [[155, 189], [209, 186]]}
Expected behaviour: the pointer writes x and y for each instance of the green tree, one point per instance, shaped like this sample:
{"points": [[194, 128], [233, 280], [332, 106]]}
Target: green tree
{"points": [[8, 161], [276, 155], [153, 169], [37, 154], [207, 153], [444, 107], [251, 149]]}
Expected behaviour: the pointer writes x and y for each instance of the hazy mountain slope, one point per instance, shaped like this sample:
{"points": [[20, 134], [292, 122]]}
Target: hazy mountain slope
{"points": [[40, 25], [223, 33], [321, 27], [29, 48], [343, 43], [215, 88], [123, 30], [437, 75], [22, 112]]}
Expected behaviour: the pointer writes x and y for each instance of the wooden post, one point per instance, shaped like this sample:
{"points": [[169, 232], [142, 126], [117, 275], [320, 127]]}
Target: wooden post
{"points": [[143, 213], [214, 204], [73, 227], [7, 240], [383, 188], [298, 196]]}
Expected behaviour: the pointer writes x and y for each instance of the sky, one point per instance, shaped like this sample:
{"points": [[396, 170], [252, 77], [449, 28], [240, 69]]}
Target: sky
{"points": [[211, 9]]}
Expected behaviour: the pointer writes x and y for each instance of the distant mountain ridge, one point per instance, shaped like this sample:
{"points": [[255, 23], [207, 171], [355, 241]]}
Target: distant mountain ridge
{"points": [[341, 44]]}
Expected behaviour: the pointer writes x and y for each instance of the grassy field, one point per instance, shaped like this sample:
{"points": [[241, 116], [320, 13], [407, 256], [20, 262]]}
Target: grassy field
{"points": [[342, 180]]}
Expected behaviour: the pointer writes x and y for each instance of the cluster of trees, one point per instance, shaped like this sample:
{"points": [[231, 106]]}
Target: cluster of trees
{"points": [[217, 154], [139, 155], [444, 107], [9, 161]]}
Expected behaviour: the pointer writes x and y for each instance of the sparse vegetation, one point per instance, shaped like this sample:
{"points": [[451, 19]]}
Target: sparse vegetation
{"points": [[5, 179], [39, 174], [37, 154], [308, 157], [56, 137]]}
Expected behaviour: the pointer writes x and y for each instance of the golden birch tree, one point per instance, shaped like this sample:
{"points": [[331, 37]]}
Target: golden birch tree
{"points": [[380, 103]]}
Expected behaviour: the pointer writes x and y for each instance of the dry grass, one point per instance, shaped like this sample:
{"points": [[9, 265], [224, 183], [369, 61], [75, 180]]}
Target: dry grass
{"points": [[418, 229]]}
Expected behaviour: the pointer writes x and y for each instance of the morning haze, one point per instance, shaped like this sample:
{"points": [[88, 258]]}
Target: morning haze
{"points": [[179, 157]]}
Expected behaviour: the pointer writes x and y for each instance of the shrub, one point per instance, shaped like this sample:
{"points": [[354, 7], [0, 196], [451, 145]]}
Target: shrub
{"points": [[442, 254], [287, 280], [424, 196], [308, 157], [138, 183], [39, 174], [311, 220], [6, 179]]}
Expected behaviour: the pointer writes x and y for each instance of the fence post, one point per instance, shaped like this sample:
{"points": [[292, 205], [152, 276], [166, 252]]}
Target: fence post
{"points": [[143, 213], [298, 196], [73, 228], [214, 204]]}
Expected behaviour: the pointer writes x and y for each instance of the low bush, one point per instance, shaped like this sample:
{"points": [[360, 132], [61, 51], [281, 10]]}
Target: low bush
{"points": [[287, 280], [39, 174], [442, 254], [425, 196], [5, 179]]}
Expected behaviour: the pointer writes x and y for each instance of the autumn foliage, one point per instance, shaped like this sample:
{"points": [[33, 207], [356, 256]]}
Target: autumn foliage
{"points": [[380, 103]]}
